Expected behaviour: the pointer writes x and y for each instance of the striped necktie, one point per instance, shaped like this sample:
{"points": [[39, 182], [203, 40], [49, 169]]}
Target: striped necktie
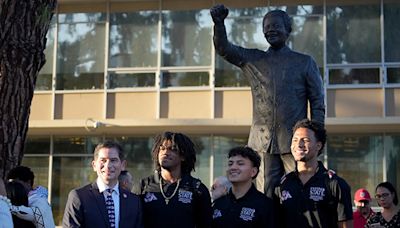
{"points": [[110, 207]]}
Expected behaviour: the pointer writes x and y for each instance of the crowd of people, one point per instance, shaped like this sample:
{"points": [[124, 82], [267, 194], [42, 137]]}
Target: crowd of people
{"points": [[310, 196]]}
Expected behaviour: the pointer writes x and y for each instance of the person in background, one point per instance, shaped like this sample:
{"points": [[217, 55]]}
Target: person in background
{"points": [[16, 192], [39, 211], [244, 205], [220, 187], [362, 201], [387, 198], [126, 180], [5, 205]]}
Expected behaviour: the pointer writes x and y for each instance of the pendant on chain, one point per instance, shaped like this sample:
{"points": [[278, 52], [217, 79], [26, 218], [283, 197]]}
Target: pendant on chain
{"points": [[167, 198]]}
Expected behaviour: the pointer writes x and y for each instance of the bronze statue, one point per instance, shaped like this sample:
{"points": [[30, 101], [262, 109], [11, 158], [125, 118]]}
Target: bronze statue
{"points": [[282, 83]]}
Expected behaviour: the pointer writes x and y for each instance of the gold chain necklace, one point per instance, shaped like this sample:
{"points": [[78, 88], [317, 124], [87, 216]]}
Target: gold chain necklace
{"points": [[169, 197]]}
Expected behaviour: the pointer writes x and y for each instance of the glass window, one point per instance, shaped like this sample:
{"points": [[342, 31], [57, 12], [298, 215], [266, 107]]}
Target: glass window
{"points": [[221, 147], [245, 32], [40, 168], [357, 159], [186, 38], [75, 145], [302, 10], [68, 173], [353, 33], [132, 80], [80, 52], [202, 146], [354, 76], [81, 17], [392, 146], [307, 37], [138, 155], [133, 39], [37, 145], [392, 31], [228, 75], [253, 12], [393, 75], [170, 79], [45, 78]]}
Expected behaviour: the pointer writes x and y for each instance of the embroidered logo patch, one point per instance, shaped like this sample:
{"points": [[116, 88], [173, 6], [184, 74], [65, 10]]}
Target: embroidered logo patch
{"points": [[285, 195], [317, 193], [217, 213], [149, 197], [247, 214], [185, 196]]}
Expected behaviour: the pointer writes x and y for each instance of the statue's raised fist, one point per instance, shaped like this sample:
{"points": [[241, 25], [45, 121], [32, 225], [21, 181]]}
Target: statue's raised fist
{"points": [[219, 13]]}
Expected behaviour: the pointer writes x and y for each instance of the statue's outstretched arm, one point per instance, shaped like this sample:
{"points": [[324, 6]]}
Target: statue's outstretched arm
{"points": [[223, 47]]}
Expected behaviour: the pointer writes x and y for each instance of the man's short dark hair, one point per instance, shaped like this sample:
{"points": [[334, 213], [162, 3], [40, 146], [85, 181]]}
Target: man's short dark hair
{"points": [[22, 173], [247, 152], [182, 143], [317, 127], [287, 21], [109, 145]]}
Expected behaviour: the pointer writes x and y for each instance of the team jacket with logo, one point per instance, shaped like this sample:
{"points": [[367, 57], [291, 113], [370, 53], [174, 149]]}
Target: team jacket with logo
{"points": [[323, 201], [189, 207], [254, 209]]}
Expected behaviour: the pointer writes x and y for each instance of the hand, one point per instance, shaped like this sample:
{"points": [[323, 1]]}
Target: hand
{"points": [[219, 13]]}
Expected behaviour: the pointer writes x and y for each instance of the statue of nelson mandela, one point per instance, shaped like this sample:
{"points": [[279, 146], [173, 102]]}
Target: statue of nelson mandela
{"points": [[282, 83]]}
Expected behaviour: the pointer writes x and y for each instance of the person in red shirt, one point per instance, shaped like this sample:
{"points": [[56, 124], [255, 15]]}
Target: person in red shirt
{"points": [[362, 200]]}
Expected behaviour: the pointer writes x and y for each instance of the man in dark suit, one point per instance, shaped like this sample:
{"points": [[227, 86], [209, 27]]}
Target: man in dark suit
{"points": [[104, 203]]}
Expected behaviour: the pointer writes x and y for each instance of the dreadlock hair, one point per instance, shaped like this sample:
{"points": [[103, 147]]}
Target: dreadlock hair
{"points": [[183, 145]]}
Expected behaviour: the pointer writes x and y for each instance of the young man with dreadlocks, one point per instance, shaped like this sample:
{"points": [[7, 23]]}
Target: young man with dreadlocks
{"points": [[172, 197]]}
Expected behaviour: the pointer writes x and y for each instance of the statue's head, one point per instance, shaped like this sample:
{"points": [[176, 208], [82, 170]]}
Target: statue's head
{"points": [[277, 26]]}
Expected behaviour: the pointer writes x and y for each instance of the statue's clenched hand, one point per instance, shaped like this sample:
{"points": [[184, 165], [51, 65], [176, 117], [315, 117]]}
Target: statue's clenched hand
{"points": [[219, 13]]}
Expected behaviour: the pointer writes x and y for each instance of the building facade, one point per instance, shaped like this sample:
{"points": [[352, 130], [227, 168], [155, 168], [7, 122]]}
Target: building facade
{"points": [[127, 70]]}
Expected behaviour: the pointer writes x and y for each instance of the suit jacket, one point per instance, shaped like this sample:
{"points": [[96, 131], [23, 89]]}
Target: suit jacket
{"points": [[86, 208]]}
